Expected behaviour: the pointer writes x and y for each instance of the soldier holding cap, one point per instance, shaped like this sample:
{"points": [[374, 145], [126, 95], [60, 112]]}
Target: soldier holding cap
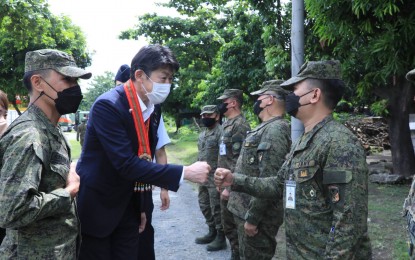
{"points": [[234, 133], [262, 155], [38, 184], [324, 181], [209, 197], [409, 204]]}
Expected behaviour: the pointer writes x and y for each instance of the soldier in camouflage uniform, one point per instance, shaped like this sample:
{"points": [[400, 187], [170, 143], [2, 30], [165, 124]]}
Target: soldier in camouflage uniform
{"points": [[324, 181], [262, 155], [409, 204], [234, 133], [80, 132], [37, 182], [209, 197]]}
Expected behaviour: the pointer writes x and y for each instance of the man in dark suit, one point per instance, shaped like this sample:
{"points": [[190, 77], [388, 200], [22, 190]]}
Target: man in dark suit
{"points": [[118, 147]]}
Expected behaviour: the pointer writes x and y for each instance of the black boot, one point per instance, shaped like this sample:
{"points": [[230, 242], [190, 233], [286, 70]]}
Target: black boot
{"points": [[206, 239], [219, 243]]}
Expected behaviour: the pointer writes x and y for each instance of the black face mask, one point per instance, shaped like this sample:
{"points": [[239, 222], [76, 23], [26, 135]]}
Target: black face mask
{"points": [[292, 103], [223, 108], [208, 122], [68, 100], [257, 108]]}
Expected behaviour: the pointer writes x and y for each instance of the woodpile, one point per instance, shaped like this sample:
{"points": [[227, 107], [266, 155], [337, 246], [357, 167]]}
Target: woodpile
{"points": [[372, 132]]}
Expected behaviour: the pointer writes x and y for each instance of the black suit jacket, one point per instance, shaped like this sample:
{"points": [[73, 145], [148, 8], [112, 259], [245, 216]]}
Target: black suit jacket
{"points": [[109, 165]]}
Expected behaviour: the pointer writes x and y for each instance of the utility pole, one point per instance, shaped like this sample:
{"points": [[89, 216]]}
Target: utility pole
{"points": [[297, 55]]}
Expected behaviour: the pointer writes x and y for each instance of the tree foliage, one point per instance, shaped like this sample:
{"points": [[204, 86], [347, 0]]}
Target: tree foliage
{"points": [[99, 85], [375, 40], [239, 44], [27, 25]]}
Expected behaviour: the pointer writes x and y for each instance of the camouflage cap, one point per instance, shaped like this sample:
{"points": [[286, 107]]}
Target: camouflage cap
{"points": [[209, 109], [329, 69], [271, 87], [232, 93], [56, 60], [411, 75]]}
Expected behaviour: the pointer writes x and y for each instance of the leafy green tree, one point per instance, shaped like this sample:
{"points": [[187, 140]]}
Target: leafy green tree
{"points": [[27, 25], [99, 85], [375, 40], [195, 40]]}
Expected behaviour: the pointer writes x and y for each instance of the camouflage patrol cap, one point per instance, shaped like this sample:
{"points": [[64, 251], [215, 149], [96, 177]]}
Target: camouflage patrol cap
{"points": [[232, 93], [56, 60], [329, 69], [411, 75], [209, 109], [271, 87]]}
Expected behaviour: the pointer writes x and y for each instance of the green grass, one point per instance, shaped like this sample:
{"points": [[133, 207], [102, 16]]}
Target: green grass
{"points": [[387, 227], [183, 148], [75, 149]]}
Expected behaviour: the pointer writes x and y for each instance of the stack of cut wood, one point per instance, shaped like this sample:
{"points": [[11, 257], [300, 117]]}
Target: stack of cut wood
{"points": [[371, 131]]}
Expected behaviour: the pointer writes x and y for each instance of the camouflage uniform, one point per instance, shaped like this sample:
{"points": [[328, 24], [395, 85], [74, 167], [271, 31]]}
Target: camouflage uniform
{"points": [[330, 219], [36, 210], [409, 213], [80, 132], [209, 197], [409, 204], [234, 133], [262, 155], [326, 178]]}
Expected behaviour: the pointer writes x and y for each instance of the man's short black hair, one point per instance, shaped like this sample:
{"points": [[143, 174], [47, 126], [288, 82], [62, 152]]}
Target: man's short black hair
{"points": [[153, 57], [28, 75], [332, 89]]}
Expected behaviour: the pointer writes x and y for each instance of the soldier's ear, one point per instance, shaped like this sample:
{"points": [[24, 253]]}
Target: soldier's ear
{"points": [[36, 81], [316, 95]]}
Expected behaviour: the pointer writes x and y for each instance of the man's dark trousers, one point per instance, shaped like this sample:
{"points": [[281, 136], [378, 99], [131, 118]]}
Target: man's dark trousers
{"points": [[146, 240]]}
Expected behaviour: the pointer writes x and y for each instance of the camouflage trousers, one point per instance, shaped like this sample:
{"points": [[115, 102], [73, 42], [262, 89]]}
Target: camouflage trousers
{"points": [[229, 226], [209, 203], [261, 246], [411, 234]]}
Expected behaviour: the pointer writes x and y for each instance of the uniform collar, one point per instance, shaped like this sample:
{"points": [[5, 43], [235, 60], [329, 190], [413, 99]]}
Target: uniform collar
{"points": [[305, 139], [46, 123]]}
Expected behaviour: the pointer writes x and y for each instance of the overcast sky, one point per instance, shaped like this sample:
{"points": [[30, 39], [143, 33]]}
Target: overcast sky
{"points": [[102, 21]]}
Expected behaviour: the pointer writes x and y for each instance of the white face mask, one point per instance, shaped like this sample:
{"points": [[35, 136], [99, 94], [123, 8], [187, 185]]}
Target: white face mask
{"points": [[159, 93]]}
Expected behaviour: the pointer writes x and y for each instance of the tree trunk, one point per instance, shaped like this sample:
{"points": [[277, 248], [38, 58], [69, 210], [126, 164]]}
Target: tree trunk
{"points": [[403, 156], [16, 107]]}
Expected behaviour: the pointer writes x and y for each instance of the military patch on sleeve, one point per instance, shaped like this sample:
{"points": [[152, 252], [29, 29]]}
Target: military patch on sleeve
{"points": [[334, 193]]}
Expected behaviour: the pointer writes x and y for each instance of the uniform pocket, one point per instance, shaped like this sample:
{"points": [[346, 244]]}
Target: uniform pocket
{"points": [[307, 184]]}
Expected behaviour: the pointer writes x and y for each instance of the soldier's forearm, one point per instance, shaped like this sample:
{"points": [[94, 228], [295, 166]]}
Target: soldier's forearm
{"points": [[267, 188]]}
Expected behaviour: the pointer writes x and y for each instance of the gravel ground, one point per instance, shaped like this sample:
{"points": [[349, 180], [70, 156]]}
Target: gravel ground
{"points": [[177, 227]]}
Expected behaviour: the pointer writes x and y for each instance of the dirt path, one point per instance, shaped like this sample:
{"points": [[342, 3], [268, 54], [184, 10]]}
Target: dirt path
{"points": [[177, 228]]}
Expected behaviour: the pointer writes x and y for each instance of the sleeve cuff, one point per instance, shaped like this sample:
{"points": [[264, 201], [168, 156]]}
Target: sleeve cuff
{"points": [[251, 219], [182, 177]]}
